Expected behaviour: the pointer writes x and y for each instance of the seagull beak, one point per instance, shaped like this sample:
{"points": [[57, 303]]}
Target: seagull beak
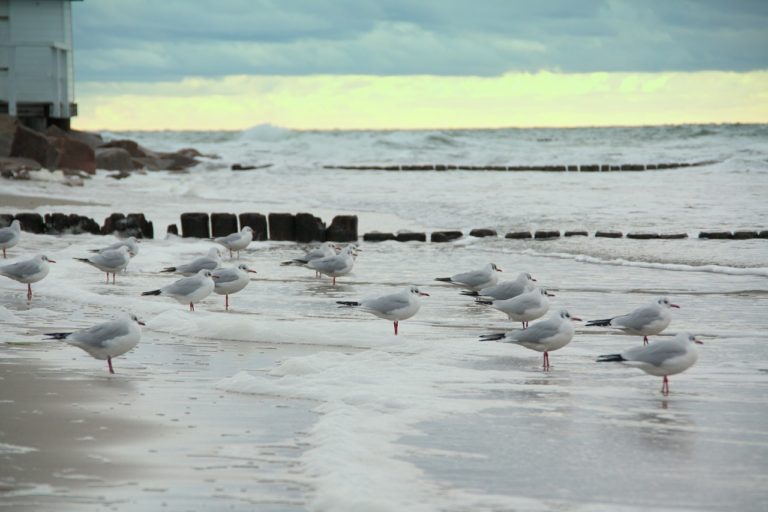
{"points": [[533, 279], [251, 271], [423, 294], [674, 306], [140, 322], [498, 269], [51, 261], [550, 294], [698, 342], [575, 319]]}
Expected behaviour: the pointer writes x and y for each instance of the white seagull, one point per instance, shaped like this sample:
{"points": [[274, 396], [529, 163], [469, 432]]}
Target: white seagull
{"points": [[130, 242], [523, 308], [111, 261], [323, 251], [506, 290], [337, 265], [10, 236], [231, 280], [545, 336], [661, 358], [27, 271], [474, 280], [236, 241], [211, 261], [644, 321], [395, 306], [188, 290], [106, 340]]}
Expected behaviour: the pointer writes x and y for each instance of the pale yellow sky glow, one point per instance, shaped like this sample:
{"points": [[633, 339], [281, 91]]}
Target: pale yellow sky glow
{"points": [[419, 102]]}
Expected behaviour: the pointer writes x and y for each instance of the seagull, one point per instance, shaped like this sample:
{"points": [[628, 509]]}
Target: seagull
{"points": [[211, 261], [506, 290], [111, 261], [10, 236], [323, 251], [644, 321], [545, 336], [231, 280], [337, 265], [105, 340], [394, 307], [130, 242], [236, 241], [474, 280], [661, 358], [27, 271], [188, 290], [523, 308]]}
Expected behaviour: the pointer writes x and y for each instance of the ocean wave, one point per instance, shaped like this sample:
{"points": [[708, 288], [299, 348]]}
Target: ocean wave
{"points": [[677, 267], [266, 132]]}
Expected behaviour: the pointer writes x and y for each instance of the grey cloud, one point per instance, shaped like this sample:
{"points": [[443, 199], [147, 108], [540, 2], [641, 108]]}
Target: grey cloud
{"points": [[141, 40]]}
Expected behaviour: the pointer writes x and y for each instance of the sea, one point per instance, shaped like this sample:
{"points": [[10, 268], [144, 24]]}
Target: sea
{"points": [[288, 402]]}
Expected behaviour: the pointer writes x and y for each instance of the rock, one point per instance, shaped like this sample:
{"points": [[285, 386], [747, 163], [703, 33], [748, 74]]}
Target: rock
{"points": [[8, 125], [92, 140], [74, 154], [576, 232], [632, 167], [445, 236], [257, 222], [643, 236], [716, 235], [309, 228], [223, 224], [518, 235], [31, 222], [744, 235], [119, 175], [114, 159], [589, 168], [376, 236], [17, 167], [81, 224], [179, 162], [410, 236], [543, 234], [195, 225], [153, 164], [609, 234], [343, 228], [482, 232], [132, 147], [763, 234], [673, 236], [189, 152], [28, 143], [137, 225], [282, 226], [240, 167], [56, 223], [172, 229], [115, 222]]}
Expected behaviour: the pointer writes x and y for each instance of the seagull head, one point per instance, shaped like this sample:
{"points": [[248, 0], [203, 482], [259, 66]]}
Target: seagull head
{"points": [[665, 303], [565, 315], [415, 290], [246, 268]]}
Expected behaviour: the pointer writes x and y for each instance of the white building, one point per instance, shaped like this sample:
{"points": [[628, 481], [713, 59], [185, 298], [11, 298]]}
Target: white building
{"points": [[36, 67]]}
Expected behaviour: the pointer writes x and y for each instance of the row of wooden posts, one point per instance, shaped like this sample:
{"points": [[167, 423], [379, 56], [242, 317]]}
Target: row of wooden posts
{"points": [[306, 228]]}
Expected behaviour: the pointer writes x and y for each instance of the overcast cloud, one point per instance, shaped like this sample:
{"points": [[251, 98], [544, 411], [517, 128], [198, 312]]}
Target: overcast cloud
{"points": [[143, 40]]}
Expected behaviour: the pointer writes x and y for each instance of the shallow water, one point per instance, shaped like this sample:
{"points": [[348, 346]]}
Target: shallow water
{"points": [[291, 403]]}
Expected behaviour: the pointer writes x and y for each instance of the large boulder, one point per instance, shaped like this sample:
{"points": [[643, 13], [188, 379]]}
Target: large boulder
{"points": [[28, 143], [114, 159], [74, 155], [343, 228], [93, 140], [8, 125], [132, 147], [309, 228]]}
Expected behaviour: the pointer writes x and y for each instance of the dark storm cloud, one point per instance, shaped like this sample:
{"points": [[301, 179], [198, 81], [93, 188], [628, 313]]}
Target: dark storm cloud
{"points": [[161, 40]]}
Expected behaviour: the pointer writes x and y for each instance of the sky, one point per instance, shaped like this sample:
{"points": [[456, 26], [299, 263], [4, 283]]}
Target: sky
{"points": [[402, 64]]}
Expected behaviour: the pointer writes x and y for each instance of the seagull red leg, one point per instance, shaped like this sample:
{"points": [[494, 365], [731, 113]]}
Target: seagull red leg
{"points": [[395, 327], [109, 362], [191, 307], [29, 291], [226, 302], [645, 340]]}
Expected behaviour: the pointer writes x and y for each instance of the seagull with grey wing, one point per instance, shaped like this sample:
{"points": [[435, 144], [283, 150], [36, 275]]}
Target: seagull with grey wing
{"points": [[27, 271], [231, 280], [545, 336], [644, 321], [506, 290], [523, 308], [337, 265], [236, 242], [131, 243], [661, 358], [111, 261], [106, 340], [323, 251], [10, 236], [394, 307], [188, 290], [210, 261], [474, 280]]}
